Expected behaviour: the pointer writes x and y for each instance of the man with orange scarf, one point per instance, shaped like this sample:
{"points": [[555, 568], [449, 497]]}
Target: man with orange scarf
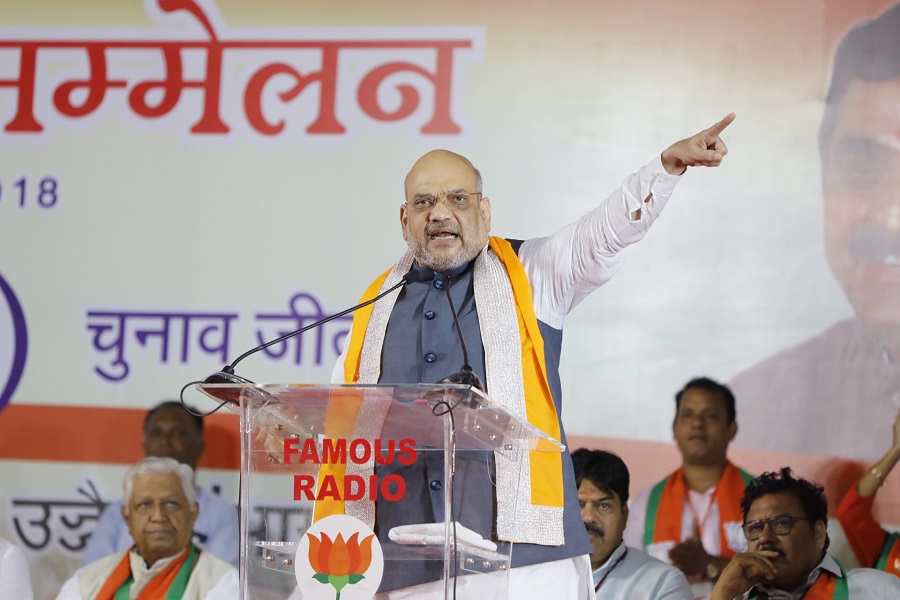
{"points": [[512, 297], [160, 510], [692, 518], [785, 521]]}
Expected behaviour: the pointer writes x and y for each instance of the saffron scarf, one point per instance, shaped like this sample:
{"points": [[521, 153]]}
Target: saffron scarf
{"points": [[666, 506], [168, 583], [546, 481], [826, 587]]}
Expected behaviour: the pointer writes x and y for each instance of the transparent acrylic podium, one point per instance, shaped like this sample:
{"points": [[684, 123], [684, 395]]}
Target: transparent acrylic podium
{"points": [[442, 418]]}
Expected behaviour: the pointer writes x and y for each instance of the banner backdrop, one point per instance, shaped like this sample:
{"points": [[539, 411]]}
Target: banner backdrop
{"points": [[181, 180]]}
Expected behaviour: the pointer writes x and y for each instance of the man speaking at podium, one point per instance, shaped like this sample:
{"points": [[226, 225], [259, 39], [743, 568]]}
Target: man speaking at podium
{"points": [[510, 297]]}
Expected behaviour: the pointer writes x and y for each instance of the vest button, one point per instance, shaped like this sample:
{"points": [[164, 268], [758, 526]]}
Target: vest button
{"points": [[436, 485], [430, 357], [438, 283], [429, 314]]}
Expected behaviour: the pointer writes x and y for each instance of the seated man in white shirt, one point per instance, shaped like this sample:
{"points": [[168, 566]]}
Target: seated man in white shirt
{"points": [[618, 570], [785, 520], [160, 510]]}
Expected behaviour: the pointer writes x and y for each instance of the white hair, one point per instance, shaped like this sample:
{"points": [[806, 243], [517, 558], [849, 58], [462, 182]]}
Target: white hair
{"points": [[163, 466]]}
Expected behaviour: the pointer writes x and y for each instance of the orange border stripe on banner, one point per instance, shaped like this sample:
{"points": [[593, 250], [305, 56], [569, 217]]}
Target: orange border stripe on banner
{"points": [[101, 435]]}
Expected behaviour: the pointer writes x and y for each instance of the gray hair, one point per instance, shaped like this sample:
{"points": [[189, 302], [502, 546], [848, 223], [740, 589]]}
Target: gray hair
{"points": [[162, 466]]}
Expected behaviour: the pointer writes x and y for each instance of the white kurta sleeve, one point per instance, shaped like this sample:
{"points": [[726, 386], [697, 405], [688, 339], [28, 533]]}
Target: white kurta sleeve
{"points": [[565, 267]]}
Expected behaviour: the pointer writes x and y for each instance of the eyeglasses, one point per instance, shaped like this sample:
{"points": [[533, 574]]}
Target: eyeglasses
{"points": [[779, 525], [456, 200]]}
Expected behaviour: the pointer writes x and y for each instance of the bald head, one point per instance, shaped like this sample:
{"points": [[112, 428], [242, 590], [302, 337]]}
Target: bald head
{"points": [[435, 155], [444, 234]]}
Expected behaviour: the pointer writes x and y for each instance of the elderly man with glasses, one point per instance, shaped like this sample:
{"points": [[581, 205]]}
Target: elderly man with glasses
{"points": [[785, 520]]}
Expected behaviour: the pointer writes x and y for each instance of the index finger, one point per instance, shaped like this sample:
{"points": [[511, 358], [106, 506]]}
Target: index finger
{"points": [[767, 554], [721, 125]]}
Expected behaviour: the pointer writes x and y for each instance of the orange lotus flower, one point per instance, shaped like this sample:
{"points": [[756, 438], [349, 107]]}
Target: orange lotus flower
{"points": [[338, 562]]}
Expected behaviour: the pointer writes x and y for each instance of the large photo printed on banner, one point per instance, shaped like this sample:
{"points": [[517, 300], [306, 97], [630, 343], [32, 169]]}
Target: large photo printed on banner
{"points": [[181, 181]]}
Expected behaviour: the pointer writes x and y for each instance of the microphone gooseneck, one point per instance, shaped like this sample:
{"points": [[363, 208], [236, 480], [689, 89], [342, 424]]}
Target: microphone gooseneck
{"points": [[227, 375], [465, 376]]}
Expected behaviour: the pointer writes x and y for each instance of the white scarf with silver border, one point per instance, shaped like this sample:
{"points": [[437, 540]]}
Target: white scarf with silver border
{"points": [[518, 520]]}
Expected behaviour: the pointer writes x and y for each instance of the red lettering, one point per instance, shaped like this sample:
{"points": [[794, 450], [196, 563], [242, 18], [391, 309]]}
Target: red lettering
{"points": [[210, 121], [303, 487], [349, 482], [392, 488], [354, 454], [441, 122], [326, 122], [171, 88], [386, 488], [24, 119], [407, 452], [95, 86], [328, 489], [381, 457], [334, 452], [290, 447], [310, 453]]}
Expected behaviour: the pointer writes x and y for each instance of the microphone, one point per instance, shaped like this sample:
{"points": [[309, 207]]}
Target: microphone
{"points": [[227, 375], [465, 376]]}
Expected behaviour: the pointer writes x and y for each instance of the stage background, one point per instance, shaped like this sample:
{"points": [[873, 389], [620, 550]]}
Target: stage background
{"points": [[160, 228]]}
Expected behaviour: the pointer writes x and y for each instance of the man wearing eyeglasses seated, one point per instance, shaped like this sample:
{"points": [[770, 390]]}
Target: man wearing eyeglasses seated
{"points": [[785, 524]]}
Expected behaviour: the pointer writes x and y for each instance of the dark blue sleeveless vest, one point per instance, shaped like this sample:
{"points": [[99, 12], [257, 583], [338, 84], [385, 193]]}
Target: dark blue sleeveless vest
{"points": [[421, 345]]}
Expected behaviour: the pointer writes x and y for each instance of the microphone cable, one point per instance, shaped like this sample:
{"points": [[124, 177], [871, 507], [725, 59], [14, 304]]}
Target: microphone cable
{"points": [[227, 374]]}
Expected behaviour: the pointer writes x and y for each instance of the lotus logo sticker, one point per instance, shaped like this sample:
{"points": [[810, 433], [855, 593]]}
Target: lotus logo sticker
{"points": [[339, 558], [13, 342]]}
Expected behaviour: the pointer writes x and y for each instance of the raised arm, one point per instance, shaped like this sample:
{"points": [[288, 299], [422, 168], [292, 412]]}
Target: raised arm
{"points": [[865, 536], [565, 267], [874, 477]]}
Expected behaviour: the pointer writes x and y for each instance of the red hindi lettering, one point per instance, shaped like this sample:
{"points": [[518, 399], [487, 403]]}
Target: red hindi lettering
{"points": [[441, 122], [326, 121], [96, 84], [24, 120]]}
